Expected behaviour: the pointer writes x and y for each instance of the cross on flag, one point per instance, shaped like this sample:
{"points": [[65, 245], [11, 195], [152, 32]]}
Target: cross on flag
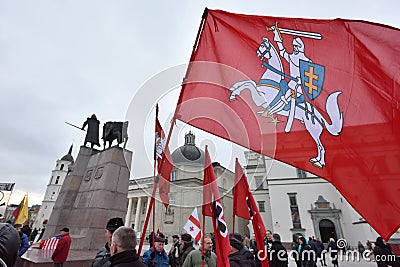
{"points": [[192, 226]]}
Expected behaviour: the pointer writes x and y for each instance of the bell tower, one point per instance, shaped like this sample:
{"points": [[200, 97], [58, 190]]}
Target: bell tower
{"points": [[57, 177]]}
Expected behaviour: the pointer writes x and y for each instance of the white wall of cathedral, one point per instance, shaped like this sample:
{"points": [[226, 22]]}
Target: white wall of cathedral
{"points": [[282, 180], [354, 232], [306, 192]]}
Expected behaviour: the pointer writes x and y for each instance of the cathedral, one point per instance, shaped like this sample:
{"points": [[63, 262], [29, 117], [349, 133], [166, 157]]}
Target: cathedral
{"points": [[292, 202], [185, 193]]}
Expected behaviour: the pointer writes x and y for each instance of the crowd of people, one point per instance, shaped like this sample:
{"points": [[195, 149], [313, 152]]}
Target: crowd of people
{"points": [[121, 242]]}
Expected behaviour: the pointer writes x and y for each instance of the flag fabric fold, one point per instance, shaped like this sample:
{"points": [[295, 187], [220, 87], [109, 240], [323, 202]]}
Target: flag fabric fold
{"points": [[212, 207], [21, 212], [320, 95], [50, 243], [192, 226], [249, 211], [164, 164]]}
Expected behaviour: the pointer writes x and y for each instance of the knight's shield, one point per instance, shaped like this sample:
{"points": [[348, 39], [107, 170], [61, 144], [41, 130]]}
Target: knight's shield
{"points": [[312, 78]]}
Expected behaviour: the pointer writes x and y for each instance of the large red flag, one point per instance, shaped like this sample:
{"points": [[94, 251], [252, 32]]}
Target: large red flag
{"points": [[242, 194], [212, 206], [163, 162], [321, 95]]}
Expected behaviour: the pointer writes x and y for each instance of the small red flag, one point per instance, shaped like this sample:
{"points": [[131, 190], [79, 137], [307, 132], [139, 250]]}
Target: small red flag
{"points": [[212, 206], [249, 211], [164, 163]]}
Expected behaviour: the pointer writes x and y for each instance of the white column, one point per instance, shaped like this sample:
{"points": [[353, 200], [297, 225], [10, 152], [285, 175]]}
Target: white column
{"points": [[137, 214], [129, 212]]}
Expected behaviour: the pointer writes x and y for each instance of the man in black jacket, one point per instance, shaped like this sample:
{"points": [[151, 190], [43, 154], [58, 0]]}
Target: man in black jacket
{"points": [[122, 249], [278, 256], [236, 258], [103, 255]]}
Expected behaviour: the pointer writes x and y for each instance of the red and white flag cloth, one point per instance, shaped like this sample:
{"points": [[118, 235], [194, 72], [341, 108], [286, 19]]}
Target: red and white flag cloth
{"points": [[212, 207], [320, 95], [50, 243], [164, 163], [244, 206], [192, 226]]}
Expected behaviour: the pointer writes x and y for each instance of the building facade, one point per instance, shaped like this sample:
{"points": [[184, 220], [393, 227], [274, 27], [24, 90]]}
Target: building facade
{"points": [[296, 202], [292, 202], [185, 193]]}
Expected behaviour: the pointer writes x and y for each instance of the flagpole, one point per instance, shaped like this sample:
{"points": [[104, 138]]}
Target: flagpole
{"points": [[146, 222], [233, 225], [196, 42], [150, 208], [202, 238]]}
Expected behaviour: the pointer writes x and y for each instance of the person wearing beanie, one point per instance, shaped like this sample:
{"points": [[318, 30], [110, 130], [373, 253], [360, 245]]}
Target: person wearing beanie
{"points": [[174, 251], [244, 251], [103, 255], [156, 256], [278, 256], [60, 254], [185, 248], [236, 258]]}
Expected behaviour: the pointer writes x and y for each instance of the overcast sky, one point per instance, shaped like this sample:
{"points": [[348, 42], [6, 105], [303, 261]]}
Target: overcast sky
{"points": [[65, 60]]}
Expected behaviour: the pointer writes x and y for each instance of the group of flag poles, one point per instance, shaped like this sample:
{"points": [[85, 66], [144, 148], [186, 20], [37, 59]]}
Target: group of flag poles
{"points": [[212, 204]]}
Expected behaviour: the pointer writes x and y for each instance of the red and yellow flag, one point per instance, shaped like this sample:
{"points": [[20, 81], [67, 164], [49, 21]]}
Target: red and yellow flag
{"points": [[21, 212]]}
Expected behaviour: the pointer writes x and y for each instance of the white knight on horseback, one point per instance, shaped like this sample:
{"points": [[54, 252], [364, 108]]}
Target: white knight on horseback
{"points": [[277, 96]]}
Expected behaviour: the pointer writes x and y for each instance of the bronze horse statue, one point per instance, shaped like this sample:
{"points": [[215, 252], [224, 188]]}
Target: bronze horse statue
{"points": [[115, 130]]}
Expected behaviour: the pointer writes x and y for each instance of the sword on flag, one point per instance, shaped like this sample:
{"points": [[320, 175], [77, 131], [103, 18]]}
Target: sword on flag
{"points": [[312, 35]]}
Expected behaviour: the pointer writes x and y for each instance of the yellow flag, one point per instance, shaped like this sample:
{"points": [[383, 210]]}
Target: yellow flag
{"points": [[23, 211]]}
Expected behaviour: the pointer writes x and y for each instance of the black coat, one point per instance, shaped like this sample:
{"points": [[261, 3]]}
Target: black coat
{"points": [[102, 257], [240, 260], [384, 256], [278, 256], [9, 243], [333, 249], [126, 258]]}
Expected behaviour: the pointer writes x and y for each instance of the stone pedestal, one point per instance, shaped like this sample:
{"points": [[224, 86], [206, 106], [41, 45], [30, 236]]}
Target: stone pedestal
{"points": [[93, 192]]}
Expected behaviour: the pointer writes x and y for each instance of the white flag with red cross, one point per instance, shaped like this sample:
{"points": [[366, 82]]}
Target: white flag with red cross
{"points": [[192, 226]]}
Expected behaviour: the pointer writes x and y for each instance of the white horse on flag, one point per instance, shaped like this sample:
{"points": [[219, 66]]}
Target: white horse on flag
{"points": [[267, 93]]}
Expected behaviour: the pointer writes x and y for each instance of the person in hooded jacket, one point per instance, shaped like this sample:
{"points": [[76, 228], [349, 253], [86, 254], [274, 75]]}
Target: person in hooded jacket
{"points": [[307, 253], [24, 240], [9, 244], [278, 256], [236, 258], [383, 254]]}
